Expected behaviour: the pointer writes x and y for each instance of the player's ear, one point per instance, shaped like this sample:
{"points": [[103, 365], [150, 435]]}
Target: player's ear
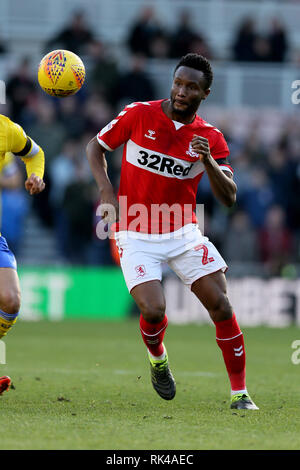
{"points": [[206, 93]]}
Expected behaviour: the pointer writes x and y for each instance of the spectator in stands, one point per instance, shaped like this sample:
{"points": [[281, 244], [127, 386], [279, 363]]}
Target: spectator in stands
{"points": [[97, 113], [242, 169], [254, 144], [143, 32], [78, 208], [200, 46], [281, 173], [278, 41], [75, 37], [185, 39], [240, 239], [51, 134], [47, 130], [183, 36], [160, 46], [20, 90], [294, 193], [258, 198], [3, 47], [72, 118], [62, 173], [275, 241], [262, 49], [135, 84], [104, 74], [243, 45]]}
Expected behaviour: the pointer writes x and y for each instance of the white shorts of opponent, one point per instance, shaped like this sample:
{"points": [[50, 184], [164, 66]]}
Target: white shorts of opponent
{"points": [[187, 252]]}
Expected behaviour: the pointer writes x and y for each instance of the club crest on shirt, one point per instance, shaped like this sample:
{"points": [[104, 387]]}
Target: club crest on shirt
{"points": [[191, 152], [141, 271]]}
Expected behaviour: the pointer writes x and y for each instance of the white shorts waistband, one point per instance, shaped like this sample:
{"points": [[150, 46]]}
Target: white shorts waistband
{"points": [[177, 234]]}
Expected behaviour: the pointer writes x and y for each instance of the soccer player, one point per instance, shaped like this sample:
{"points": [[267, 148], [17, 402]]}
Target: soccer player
{"points": [[13, 140], [167, 149]]}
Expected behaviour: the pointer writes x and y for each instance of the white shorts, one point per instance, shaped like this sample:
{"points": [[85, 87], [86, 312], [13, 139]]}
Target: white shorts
{"points": [[187, 252]]}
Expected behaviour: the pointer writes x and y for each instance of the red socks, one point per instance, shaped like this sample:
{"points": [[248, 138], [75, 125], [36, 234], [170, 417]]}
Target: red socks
{"points": [[230, 340], [153, 335]]}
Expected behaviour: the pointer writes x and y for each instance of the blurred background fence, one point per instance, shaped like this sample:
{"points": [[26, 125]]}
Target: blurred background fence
{"points": [[130, 48]]}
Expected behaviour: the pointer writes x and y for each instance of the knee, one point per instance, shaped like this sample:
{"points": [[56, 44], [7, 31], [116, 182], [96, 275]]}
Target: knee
{"points": [[10, 302], [221, 310], [153, 312]]}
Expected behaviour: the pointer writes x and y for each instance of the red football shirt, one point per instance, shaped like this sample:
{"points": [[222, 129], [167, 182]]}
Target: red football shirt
{"points": [[160, 172]]}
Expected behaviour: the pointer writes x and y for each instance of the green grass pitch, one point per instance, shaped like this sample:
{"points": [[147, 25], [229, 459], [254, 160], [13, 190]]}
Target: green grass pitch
{"points": [[86, 385]]}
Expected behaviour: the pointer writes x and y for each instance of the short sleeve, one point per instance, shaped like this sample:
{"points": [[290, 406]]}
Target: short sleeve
{"points": [[12, 136], [119, 130]]}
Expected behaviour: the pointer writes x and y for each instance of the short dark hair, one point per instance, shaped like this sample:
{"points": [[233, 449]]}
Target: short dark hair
{"points": [[198, 62]]}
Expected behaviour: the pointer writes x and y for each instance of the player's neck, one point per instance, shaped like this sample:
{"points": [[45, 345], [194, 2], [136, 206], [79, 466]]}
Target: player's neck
{"points": [[171, 114]]}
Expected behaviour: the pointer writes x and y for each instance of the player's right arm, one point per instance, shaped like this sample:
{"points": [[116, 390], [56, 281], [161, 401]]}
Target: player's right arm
{"points": [[116, 133], [96, 157]]}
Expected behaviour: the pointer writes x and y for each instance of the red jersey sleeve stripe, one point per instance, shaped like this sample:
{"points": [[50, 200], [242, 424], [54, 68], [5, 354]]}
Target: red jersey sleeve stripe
{"points": [[226, 168], [101, 142]]}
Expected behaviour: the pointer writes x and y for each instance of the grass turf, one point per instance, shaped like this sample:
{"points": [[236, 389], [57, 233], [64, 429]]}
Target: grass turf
{"points": [[86, 385]]}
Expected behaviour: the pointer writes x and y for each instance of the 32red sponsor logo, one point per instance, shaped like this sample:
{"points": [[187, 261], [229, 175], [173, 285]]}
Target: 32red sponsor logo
{"points": [[163, 164]]}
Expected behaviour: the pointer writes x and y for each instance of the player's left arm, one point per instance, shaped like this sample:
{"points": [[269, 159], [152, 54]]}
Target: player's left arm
{"points": [[221, 180], [32, 155]]}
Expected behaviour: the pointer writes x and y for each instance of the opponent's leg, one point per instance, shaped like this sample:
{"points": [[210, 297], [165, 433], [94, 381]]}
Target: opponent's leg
{"points": [[211, 291], [9, 309], [150, 299], [9, 299]]}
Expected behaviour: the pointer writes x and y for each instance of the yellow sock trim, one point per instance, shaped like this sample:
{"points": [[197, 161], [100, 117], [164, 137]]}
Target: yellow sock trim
{"points": [[5, 325]]}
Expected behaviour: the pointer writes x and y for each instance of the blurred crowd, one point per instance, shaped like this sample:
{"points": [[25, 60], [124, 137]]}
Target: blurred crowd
{"points": [[264, 225], [149, 36]]}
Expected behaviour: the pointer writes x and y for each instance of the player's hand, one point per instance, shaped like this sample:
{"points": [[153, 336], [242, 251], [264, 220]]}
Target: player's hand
{"points": [[34, 184], [109, 206], [200, 145]]}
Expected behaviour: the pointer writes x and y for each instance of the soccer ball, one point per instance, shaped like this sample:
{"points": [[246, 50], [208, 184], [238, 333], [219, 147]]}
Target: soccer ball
{"points": [[61, 73]]}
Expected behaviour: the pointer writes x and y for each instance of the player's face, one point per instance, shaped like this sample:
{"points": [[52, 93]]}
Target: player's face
{"points": [[188, 90]]}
